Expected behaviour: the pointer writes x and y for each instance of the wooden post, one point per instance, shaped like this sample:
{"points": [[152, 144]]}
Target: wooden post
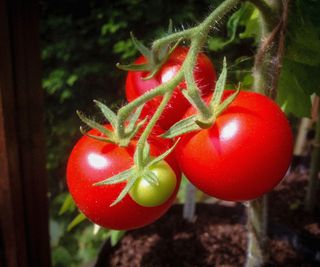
{"points": [[24, 238]]}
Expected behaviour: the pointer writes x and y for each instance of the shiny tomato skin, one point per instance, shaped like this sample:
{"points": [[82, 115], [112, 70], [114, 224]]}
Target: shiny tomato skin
{"points": [[244, 154], [205, 76], [92, 161]]}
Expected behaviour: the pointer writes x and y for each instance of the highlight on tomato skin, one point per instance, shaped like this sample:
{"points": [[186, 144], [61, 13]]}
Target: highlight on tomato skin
{"points": [[136, 85], [92, 161], [243, 155]]}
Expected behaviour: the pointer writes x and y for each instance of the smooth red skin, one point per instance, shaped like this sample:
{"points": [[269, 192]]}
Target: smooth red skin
{"points": [[247, 164], [205, 76], [95, 201]]}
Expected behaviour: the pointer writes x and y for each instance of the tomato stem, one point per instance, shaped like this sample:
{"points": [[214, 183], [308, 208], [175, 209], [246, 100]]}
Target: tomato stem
{"points": [[143, 138]]}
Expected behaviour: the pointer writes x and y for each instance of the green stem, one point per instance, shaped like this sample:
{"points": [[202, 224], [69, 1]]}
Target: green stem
{"points": [[216, 16], [174, 37], [257, 232], [126, 110], [313, 185], [268, 51], [193, 91], [143, 138]]}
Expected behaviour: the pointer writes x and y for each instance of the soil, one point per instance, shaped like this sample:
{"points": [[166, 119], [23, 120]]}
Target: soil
{"points": [[218, 236]]}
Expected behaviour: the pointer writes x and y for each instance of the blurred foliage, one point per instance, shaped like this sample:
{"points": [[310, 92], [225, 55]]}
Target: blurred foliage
{"points": [[301, 68], [83, 40]]}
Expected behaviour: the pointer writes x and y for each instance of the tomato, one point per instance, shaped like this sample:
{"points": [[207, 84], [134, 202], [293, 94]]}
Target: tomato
{"points": [[243, 155], [150, 195], [92, 161], [136, 86]]}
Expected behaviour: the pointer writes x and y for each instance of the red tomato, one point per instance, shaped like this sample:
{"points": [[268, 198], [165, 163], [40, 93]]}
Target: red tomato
{"points": [[92, 161], [244, 154], [205, 77]]}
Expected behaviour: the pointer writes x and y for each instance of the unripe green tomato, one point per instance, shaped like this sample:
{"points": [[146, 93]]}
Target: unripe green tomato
{"points": [[151, 195]]}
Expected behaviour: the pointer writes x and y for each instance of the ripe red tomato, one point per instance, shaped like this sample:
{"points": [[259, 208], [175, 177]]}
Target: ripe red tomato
{"points": [[92, 161], [205, 77], [244, 154]]}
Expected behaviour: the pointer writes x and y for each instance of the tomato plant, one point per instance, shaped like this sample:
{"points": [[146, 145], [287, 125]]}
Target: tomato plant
{"points": [[243, 155], [92, 161], [136, 85]]}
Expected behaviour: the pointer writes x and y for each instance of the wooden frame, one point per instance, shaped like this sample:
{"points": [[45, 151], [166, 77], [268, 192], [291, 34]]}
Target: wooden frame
{"points": [[24, 238]]}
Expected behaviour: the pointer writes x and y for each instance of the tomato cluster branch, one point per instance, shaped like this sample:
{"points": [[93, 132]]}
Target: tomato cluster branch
{"points": [[122, 132], [197, 35]]}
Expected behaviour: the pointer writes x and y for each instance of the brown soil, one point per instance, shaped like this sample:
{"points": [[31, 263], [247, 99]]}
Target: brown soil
{"points": [[218, 235]]}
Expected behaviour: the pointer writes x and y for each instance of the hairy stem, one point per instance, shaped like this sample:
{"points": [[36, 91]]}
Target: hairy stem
{"points": [[143, 138], [193, 90], [126, 110], [266, 73]]}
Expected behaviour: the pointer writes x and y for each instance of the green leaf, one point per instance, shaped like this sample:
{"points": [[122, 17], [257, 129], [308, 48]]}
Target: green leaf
{"points": [[181, 127], [68, 205], [252, 27], [303, 31], [118, 178], [108, 113], [77, 220], [116, 236], [94, 125], [295, 86]]}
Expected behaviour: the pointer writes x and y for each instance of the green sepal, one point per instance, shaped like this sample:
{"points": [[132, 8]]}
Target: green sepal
{"points": [[161, 58], [181, 127], [134, 118], [145, 51], [205, 124], [133, 67], [219, 89], [222, 107], [151, 178], [94, 125], [162, 156], [77, 220], [185, 93], [118, 178], [68, 204], [131, 134], [99, 138], [126, 189], [107, 112], [146, 153]]}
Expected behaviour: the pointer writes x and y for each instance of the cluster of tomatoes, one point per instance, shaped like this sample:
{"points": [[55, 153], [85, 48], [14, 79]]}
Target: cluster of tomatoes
{"points": [[243, 155]]}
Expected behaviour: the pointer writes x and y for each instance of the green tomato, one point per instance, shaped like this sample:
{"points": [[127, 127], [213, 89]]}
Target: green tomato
{"points": [[151, 195]]}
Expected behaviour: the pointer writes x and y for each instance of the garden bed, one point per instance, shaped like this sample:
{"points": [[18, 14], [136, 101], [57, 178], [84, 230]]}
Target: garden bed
{"points": [[218, 235]]}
